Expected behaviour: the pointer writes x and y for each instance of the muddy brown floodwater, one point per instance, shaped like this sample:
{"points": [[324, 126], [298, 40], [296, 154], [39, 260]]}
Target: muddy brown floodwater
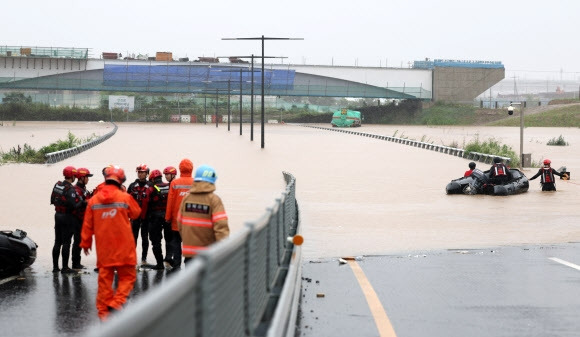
{"points": [[357, 195]]}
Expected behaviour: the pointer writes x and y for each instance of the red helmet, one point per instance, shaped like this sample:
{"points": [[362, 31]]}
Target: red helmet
{"points": [[154, 174], [142, 168], [69, 172], [105, 169], [547, 162], [115, 173], [170, 170], [83, 172]]}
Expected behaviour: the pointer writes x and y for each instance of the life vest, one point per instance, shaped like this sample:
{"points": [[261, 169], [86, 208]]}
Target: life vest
{"points": [[547, 175], [159, 194], [500, 169], [139, 191], [82, 194], [58, 197]]}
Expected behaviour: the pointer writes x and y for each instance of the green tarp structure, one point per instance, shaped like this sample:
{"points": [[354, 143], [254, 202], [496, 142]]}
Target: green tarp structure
{"points": [[346, 118]]}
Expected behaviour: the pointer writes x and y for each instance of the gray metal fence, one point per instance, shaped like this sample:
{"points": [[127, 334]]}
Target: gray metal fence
{"points": [[54, 157], [246, 285], [476, 156]]}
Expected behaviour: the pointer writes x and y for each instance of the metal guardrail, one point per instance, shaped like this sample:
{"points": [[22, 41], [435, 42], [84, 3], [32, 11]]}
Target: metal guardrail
{"points": [[475, 156], [54, 157], [246, 285]]}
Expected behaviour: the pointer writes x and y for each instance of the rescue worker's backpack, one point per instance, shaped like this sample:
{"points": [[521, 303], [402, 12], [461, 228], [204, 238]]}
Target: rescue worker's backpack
{"points": [[158, 201], [547, 176], [500, 169]]}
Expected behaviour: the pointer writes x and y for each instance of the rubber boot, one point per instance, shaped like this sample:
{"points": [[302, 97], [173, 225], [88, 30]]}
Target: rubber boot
{"points": [[158, 253], [65, 256], [55, 256]]}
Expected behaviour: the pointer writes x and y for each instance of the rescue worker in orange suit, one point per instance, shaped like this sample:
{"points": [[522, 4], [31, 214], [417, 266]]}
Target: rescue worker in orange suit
{"points": [[96, 189], [156, 215], [84, 195], [547, 176], [139, 189], [471, 168], [202, 218], [178, 189], [101, 185], [107, 218], [170, 173], [499, 174], [65, 200]]}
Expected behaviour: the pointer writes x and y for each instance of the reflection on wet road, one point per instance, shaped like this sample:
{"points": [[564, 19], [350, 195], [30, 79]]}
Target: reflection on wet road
{"points": [[47, 304]]}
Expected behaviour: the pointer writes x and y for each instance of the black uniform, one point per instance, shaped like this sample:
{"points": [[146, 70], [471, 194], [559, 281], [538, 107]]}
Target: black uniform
{"points": [[140, 192], [156, 218], [64, 199], [82, 196]]}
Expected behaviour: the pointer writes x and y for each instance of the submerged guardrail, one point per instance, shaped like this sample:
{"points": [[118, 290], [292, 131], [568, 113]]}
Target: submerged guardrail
{"points": [[54, 157], [246, 285], [476, 156]]}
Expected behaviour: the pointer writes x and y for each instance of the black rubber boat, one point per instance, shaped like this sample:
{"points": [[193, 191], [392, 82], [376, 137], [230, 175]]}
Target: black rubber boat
{"points": [[479, 183], [17, 252]]}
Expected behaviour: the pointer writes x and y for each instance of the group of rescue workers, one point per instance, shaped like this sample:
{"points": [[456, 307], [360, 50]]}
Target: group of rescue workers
{"points": [[499, 173], [184, 211]]}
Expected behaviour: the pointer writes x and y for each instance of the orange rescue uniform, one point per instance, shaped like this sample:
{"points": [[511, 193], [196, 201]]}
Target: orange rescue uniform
{"points": [[178, 189], [107, 218]]}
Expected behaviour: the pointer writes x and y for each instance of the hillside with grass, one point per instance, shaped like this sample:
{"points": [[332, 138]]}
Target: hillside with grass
{"points": [[565, 115]]}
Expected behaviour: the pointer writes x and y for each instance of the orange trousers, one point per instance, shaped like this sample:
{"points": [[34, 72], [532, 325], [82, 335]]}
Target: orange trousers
{"points": [[107, 295]]}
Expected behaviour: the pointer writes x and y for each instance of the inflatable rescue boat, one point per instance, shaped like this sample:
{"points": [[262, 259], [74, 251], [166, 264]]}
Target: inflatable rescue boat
{"points": [[17, 251], [479, 183]]}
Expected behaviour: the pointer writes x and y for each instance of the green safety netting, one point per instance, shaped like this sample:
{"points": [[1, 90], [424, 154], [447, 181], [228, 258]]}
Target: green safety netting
{"points": [[57, 52]]}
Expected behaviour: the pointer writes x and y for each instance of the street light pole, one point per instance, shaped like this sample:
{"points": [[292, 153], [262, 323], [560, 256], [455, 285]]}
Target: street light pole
{"points": [[252, 91], [241, 72], [521, 135], [252, 103], [216, 107], [262, 38], [229, 112], [510, 111], [262, 97]]}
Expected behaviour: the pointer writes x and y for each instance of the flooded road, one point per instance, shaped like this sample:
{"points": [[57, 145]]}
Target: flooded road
{"points": [[357, 195]]}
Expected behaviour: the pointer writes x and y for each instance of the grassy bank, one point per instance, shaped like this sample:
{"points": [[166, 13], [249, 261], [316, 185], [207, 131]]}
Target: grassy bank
{"points": [[26, 154], [565, 116]]}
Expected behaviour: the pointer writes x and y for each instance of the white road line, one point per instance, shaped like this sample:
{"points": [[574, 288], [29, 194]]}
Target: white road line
{"points": [[8, 279], [566, 263]]}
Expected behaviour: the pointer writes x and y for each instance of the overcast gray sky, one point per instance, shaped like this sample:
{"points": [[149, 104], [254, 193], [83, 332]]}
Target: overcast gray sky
{"points": [[539, 38]]}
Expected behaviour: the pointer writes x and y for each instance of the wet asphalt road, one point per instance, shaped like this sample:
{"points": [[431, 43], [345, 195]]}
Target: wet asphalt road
{"points": [[503, 291], [506, 291], [47, 304]]}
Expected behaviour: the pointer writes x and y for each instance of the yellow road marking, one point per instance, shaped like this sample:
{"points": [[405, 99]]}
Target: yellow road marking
{"points": [[380, 316]]}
